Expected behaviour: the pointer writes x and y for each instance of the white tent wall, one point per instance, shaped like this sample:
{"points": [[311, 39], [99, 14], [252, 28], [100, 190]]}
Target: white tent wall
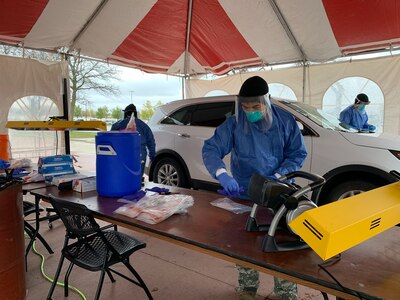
{"points": [[20, 77], [318, 78]]}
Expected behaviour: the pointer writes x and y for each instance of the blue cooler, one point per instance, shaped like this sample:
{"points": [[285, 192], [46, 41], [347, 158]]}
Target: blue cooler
{"points": [[118, 169]]}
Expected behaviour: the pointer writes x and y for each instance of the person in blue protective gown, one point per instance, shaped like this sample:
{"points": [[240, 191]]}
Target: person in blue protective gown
{"points": [[146, 135], [262, 139], [355, 116]]}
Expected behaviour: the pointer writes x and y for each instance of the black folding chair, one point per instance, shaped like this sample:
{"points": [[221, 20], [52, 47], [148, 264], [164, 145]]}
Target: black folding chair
{"points": [[93, 249], [31, 231]]}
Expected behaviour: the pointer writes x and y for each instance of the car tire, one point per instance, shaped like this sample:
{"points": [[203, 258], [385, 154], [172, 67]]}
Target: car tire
{"points": [[170, 172], [349, 188]]}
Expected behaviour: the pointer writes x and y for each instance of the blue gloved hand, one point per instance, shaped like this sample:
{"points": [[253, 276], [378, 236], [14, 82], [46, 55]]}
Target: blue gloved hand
{"points": [[135, 196], [4, 164], [161, 191], [229, 184], [225, 193]]}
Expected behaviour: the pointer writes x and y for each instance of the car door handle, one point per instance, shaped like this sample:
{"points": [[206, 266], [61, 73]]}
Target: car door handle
{"points": [[184, 135]]}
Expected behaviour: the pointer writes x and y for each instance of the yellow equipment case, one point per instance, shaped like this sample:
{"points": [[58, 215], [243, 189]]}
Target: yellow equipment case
{"points": [[338, 226]]}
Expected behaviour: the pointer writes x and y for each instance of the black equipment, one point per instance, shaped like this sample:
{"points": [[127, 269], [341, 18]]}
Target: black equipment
{"points": [[286, 201]]}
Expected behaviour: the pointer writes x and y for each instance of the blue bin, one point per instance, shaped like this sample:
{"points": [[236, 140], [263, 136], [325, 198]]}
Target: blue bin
{"points": [[118, 169]]}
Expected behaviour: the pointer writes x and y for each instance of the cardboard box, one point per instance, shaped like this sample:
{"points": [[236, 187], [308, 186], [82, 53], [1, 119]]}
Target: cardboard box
{"points": [[54, 170], [55, 160], [57, 180], [54, 166], [83, 185]]}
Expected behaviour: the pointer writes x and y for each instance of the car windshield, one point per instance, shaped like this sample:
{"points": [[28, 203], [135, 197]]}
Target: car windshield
{"points": [[318, 116]]}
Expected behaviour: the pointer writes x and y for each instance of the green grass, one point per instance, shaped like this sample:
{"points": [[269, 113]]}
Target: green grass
{"points": [[78, 134]]}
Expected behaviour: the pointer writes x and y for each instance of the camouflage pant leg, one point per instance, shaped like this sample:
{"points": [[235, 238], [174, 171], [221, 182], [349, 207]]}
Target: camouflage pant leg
{"points": [[248, 279], [285, 289]]}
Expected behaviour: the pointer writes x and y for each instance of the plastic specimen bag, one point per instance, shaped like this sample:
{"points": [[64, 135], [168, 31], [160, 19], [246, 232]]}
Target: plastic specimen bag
{"points": [[156, 208], [230, 205]]}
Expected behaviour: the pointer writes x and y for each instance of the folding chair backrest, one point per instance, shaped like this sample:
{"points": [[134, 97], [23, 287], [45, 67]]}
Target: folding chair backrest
{"points": [[77, 218]]}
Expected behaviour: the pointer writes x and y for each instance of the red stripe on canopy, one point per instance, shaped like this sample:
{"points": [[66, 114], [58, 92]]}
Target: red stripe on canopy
{"points": [[215, 39], [356, 22], [163, 30], [18, 17]]}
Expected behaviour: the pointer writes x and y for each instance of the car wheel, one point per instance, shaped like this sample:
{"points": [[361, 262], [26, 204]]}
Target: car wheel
{"points": [[349, 188], [168, 171]]}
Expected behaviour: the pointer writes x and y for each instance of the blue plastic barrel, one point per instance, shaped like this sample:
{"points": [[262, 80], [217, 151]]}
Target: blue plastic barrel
{"points": [[118, 169]]}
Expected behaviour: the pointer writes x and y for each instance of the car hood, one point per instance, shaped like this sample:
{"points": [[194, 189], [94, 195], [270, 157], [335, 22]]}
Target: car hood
{"points": [[383, 141]]}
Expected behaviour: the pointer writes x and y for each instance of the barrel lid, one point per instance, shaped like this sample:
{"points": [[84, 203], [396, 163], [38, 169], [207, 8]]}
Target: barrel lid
{"points": [[117, 133]]}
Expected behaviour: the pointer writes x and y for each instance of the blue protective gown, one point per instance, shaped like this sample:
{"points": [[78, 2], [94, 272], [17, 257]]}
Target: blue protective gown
{"points": [[278, 149], [355, 118], [146, 138]]}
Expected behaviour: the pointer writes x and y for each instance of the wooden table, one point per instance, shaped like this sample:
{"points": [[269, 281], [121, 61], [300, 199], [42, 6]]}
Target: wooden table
{"points": [[371, 269], [29, 186]]}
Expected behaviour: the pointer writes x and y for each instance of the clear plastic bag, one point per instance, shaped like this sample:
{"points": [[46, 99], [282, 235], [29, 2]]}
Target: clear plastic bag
{"points": [[230, 205], [21, 163], [131, 124], [156, 208], [33, 176]]}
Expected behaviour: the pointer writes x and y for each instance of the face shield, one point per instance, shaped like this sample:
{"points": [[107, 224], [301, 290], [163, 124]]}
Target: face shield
{"points": [[360, 105], [362, 102], [256, 110]]}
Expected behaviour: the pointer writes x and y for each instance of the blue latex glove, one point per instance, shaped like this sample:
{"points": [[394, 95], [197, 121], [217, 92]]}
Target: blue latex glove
{"points": [[21, 172], [272, 178], [136, 196], [161, 191], [4, 164], [225, 193], [229, 184]]}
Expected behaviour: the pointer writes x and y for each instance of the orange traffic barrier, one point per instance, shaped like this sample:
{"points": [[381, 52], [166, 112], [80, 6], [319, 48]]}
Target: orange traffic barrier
{"points": [[4, 147]]}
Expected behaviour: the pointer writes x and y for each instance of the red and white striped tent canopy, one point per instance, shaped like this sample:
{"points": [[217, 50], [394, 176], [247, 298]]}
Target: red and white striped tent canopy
{"points": [[202, 36]]}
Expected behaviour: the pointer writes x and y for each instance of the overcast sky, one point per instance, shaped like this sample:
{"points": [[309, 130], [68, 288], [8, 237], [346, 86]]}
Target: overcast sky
{"points": [[139, 87]]}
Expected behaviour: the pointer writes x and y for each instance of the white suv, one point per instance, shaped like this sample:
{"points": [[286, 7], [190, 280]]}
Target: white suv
{"points": [[350, 162]]}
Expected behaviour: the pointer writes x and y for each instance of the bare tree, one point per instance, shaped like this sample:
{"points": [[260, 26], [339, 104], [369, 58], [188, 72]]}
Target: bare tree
{"points": [[89, 75]]}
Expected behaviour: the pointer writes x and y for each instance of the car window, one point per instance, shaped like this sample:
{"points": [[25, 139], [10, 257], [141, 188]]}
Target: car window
{"points": [[212, 114], [180, 117], [318, 116]]}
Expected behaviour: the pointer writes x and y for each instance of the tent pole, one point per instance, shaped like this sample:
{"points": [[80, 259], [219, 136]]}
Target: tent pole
{"points": [[88, 22], [183, 85], [187, 45], [304, 81], [286, 27], [65, 110]]}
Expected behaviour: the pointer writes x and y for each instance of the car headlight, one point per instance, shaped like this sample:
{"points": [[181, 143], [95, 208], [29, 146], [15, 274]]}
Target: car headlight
{"points": [[395, 153]]}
